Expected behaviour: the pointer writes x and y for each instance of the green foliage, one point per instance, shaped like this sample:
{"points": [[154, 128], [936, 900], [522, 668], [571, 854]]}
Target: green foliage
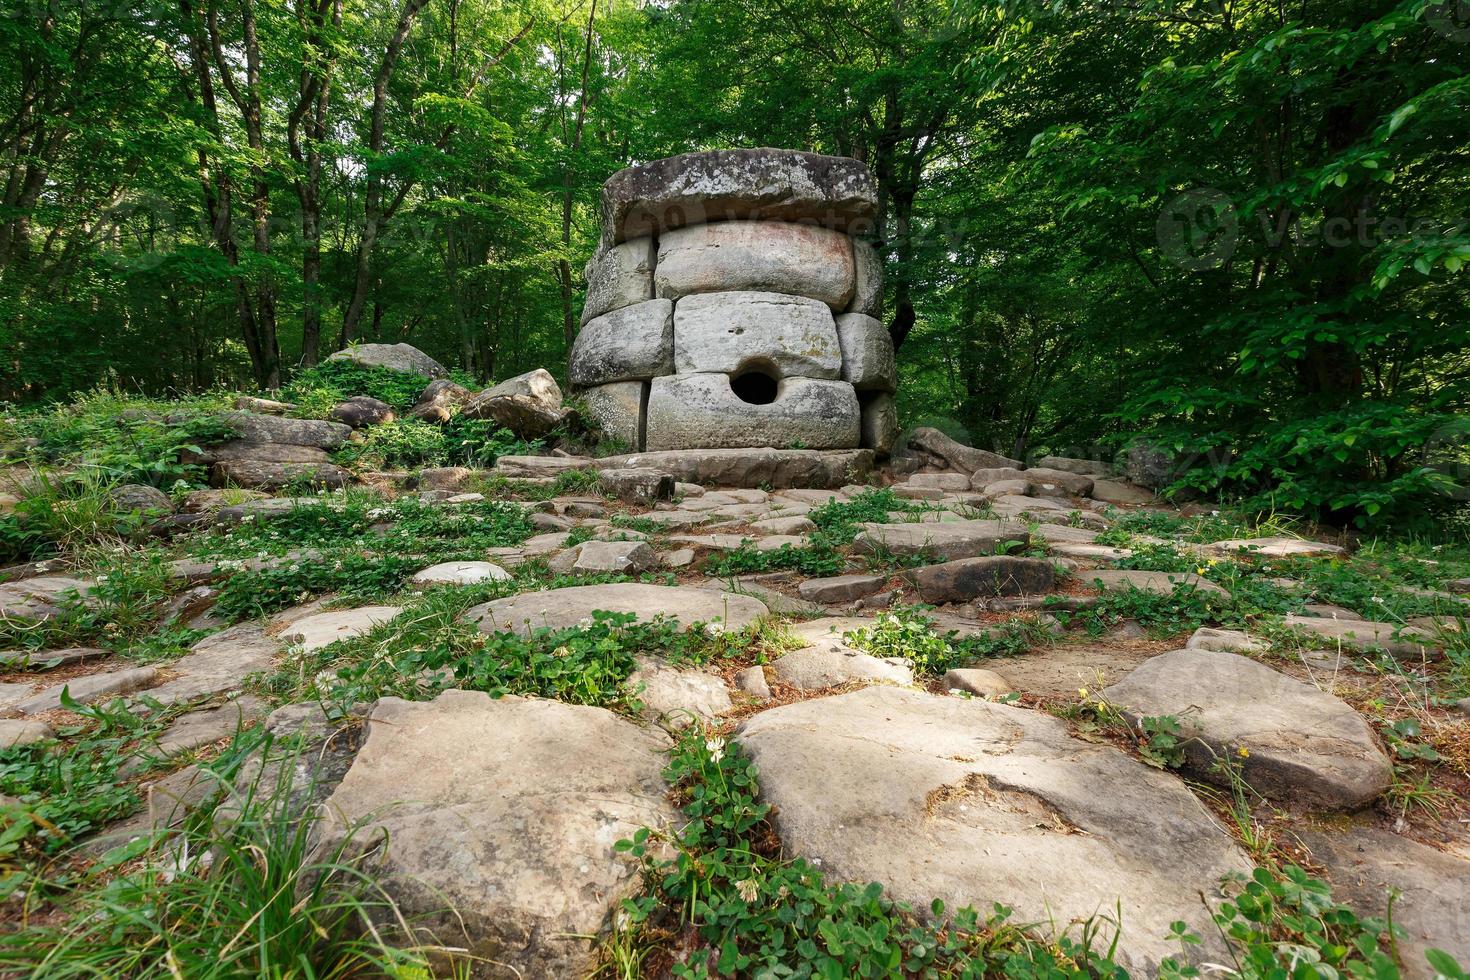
{"points": [[1404, 737], [318, 390], [119, 612], [1162, 741], [1184, 610], [410, 444], [812, 560], [908, 633]]}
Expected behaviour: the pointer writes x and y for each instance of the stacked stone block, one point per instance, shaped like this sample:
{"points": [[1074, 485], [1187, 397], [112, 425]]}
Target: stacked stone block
{"points": [[732, 303]]}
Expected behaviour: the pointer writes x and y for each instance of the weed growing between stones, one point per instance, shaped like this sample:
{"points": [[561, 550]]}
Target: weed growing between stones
{"points": [[908, 633], [121, 610], [317, 390], [813, 560], [1185, 610]]}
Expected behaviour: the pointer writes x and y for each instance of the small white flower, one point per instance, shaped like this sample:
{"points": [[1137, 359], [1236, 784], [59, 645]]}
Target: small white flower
{"points": [[716, 749], [748, 888]]}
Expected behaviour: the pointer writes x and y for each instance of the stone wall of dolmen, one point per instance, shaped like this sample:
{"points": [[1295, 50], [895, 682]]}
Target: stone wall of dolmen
{"points": [[734, 303]]}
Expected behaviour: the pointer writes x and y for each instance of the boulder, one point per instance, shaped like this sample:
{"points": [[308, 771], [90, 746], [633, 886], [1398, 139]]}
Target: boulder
{"points": [[827, 661], [723, 185], [1159, 583], [322, 629], [950, 481], [618, 277], [297, 432], [360, 411], [1430, 888], [675, 699], [989, 477], [703, 411], [1366, 636], [264, 452], [560, 608], [451, 479], [973, 803], [957, 454], [461, 573], [261, 475], [867, 353], [633, 343], [604, 558], [529, 404], [616, 410], [771, 256], [502, 817], [991, 575], [790, 336], [439, 401], [878, 428], [752, 680], [840, 588], [140, 498], [1149, 466], [943, 541], [1300, 744], [392, 357], [15, 732], [1116, 492], [776, 468], [1085, 467], [1071, 483], [867, 293], [637, 485]]}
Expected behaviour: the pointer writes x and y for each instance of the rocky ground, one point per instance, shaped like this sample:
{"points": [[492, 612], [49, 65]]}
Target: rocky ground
{"points": [[971, 683]]}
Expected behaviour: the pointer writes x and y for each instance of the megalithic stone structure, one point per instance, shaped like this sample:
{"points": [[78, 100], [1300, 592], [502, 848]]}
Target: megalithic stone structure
{"points": [[734, 303]]}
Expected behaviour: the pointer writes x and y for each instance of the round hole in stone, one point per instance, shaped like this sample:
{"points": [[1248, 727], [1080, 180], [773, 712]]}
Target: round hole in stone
{"points": [[754, 384]]}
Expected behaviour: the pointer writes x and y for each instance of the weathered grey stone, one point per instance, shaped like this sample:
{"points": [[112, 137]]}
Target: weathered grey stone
{"points": [[840, 588], [676, 699], [617, 410], [784, 335], [361, 411], [264, 452], [777, 468], [85, 690], [448, 478], [1085, 467], [140, 497], [560, 608], [867, 294], [1149, 466], [723, 185], [944, 541], [461, 573], [1072, 483], [503, 816], [977, 681], [827, 661], [752, 680], [702, 411], [1226, 641], [314, 632], [262, 406], [867, 353], [528, 404], [49, 659], [297, 432], [304, 761], [262, 475], [22, 731], [217, 664], [605, 557], [991, 575], [1276, 547], [1160, 583], [41, 596], [521, 467], [973, 802], [636, 485], [796, 524], [439, 401], [1366, 636], [964, 458], [207, 726], [950, 481], [678, 558], [987, 478], [629, 344], [619, 276], [1430, 889], [879, 424], [771, 256], [208, 501], [1301, 744], [393, 357], [1116, 492]]}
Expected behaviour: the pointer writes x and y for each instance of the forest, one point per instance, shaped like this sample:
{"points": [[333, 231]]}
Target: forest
{"points": [[1235, 228]]}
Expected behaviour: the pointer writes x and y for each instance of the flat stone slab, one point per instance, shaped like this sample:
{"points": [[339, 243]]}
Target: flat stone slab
{"points": [[1365, 636], [1433, 905], [40, 597], [209, 725], [989, 575], [22, 731], [676, 699], [560, 608], [217, 664], [1159, 583], [296, 432], [461, 573], [503, 816], [604, 557], [322, 629], [827, 661], [1301, 744], [85, 690], [974, 802], [1276, 547], [49, 659], [944, 541], [840, 588], [779, 469]]}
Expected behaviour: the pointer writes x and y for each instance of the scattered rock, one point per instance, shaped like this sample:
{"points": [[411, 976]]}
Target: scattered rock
{"points": [[1149, 466], [1085, 467], [776, 468], [217, 664], [1365, 636], [1069, 483], [295, 432], [263, 475], [528, 405], [784, 525], [439, 401], [392, 357], [941, 541], [503, 815], [1159, 583], [42, 596], [49, 659], [140, 497], [360, 411], [532, 467], [1300, 744], [974, 802], [450, 478], [678, 558], [956, 454], [938, 481], [207, 726], [208, 501], [314, 632], [19, 731], [263, 406], [637, 485], [85, 690], [461, 573], [559, 608], [840, 588], [1114, 492], [675, 699], [604, 557], [752, 680], [1275, 547], [977, 681], [991, 575], [826, 661], [1226, 641]]}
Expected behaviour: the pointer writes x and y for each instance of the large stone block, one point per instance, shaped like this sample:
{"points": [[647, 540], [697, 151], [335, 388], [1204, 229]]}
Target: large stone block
{"points": [[619, 276], [633, 343], [867, 353], [617, 410], [803, 260], [528, 404], [702, 411], [867, 293], [790, 336], [392, 357], [296, 432], [721, 185], [879, 431], [777, 468]]}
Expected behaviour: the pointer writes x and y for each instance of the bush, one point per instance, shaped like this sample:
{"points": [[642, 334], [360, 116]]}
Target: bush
{"points": [[317, 390]]}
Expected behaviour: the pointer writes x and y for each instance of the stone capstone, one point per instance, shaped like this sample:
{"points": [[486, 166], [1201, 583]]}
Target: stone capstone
{"points": [[772, 256], [702, 411], [619, 276], [1301, 744], [724, 185], [633, 343], [973, 802], [392, 357], [502, 817], [787, 336]]}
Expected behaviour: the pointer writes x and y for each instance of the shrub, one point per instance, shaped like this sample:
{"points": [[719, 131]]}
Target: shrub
{"points": [[317, 390]]}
